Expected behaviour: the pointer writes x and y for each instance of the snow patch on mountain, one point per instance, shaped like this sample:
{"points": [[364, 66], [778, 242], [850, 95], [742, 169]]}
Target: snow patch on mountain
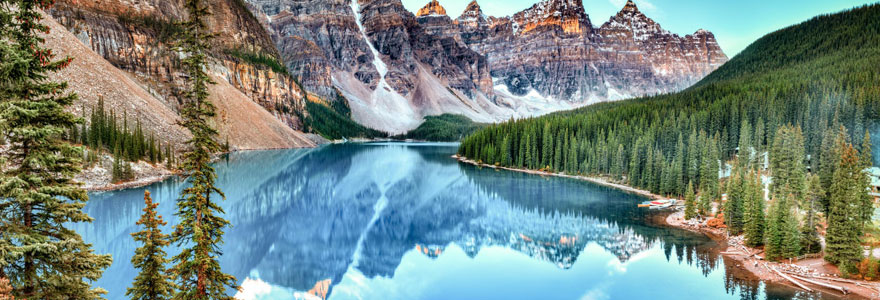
{"points": [[531, 104], [383, 108]]}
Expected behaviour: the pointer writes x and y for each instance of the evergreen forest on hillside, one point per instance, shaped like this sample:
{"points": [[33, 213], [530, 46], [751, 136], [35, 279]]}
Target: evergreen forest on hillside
{"points": [[795, 104], [443, 128]]}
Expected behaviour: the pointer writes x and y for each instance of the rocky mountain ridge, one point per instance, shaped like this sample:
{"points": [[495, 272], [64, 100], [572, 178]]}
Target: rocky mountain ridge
{"points": [[553, 49], [389, 68], [395, 67], [123, 54]]}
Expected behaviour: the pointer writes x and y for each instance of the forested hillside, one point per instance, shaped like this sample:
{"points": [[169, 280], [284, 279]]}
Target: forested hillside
{"points": [[816, 75], [443, 128], [794, 106]]}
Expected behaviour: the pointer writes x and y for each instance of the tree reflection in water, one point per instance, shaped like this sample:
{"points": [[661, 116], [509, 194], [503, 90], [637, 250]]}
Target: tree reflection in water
{"points": [[299, 217]]}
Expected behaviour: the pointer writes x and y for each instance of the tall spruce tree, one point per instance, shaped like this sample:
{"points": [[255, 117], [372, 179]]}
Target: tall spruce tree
{"points": [[153, 282], [39, 198], [866, 156], [690, 202], [754, 214], [843, 239], [745, 154], [787, 163], [734, 207], [708, 177], [810, 242], [782, 239], [828, 162], [200, 230], [866, 160]]}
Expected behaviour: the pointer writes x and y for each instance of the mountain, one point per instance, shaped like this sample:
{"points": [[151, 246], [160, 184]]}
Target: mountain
{"points": [[812, 79], [241, 122], [123, 54], [377, 55], [394, 67], [553, 49], [317, 65]]}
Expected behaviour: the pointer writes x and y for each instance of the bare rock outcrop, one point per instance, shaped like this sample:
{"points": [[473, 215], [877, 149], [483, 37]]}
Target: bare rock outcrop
{"points": [[395, 67], [240, 120], [136, 36]]}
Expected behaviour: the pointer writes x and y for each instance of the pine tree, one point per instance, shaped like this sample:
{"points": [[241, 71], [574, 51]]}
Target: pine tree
{"points": [[866, 157], [153, 282], [843, 239], [708, 178], [690, 202], [791, 246], [754, 215], [828, 162], [678, 166], [40, 199], [745, 156], [787, 163], [783, 234], [200, 230], [734, 207], [692, 167], [810, 242], [547, 150], [866, 160], [634, 164]]}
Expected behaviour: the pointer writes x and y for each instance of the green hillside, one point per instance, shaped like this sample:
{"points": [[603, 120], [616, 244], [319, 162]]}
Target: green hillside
{"points": [[443, 128]]}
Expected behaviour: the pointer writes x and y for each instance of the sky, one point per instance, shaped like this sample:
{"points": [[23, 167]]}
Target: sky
{"points": [[735, 23]]}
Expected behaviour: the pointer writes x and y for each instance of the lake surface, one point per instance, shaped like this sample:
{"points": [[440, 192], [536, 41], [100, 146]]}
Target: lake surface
{"points": [[406, 221]]}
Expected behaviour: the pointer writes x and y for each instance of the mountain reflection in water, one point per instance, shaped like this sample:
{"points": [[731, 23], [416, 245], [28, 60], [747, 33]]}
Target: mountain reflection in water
{"points": [[406, 221]]}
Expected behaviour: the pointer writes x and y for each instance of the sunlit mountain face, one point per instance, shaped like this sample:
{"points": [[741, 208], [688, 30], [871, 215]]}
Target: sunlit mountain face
{"points": [[406, 221]]}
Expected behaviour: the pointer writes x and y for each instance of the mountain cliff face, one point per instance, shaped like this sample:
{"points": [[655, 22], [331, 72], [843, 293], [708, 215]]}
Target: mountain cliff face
{"points": [[135, 36], [392, 67], [122, 54], [379, 56], [395, 67], [553, 49]]}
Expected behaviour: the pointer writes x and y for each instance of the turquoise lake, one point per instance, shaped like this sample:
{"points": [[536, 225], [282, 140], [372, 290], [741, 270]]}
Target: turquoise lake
{"points": [[383, 221]]}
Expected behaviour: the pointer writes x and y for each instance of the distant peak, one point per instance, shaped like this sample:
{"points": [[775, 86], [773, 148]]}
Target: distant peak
{"points": [[473, 6], [472, 15], [472, 10], [630, 6], [433, 8]]}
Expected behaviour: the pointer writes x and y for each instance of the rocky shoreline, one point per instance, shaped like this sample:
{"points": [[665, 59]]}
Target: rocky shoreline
{"points": [[748, 259]]}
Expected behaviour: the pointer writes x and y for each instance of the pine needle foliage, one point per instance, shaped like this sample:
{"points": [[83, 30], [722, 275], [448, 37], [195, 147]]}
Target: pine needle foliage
{"points": [[754, 214], [845, 227], [201, 227], [153, 282], [41, 256]]}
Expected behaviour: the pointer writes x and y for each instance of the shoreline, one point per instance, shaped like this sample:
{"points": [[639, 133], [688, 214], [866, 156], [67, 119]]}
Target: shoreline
{"points": [[747, 259], [164, 175], [130, 184], [596, 180]]}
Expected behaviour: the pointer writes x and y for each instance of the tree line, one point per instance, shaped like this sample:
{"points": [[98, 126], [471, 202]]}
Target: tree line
{"points": [[127, 143], [40, 256], [789, 126]]}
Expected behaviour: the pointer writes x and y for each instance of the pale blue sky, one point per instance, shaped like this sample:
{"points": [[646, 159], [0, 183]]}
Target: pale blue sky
{"points": [[736, 23]]}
